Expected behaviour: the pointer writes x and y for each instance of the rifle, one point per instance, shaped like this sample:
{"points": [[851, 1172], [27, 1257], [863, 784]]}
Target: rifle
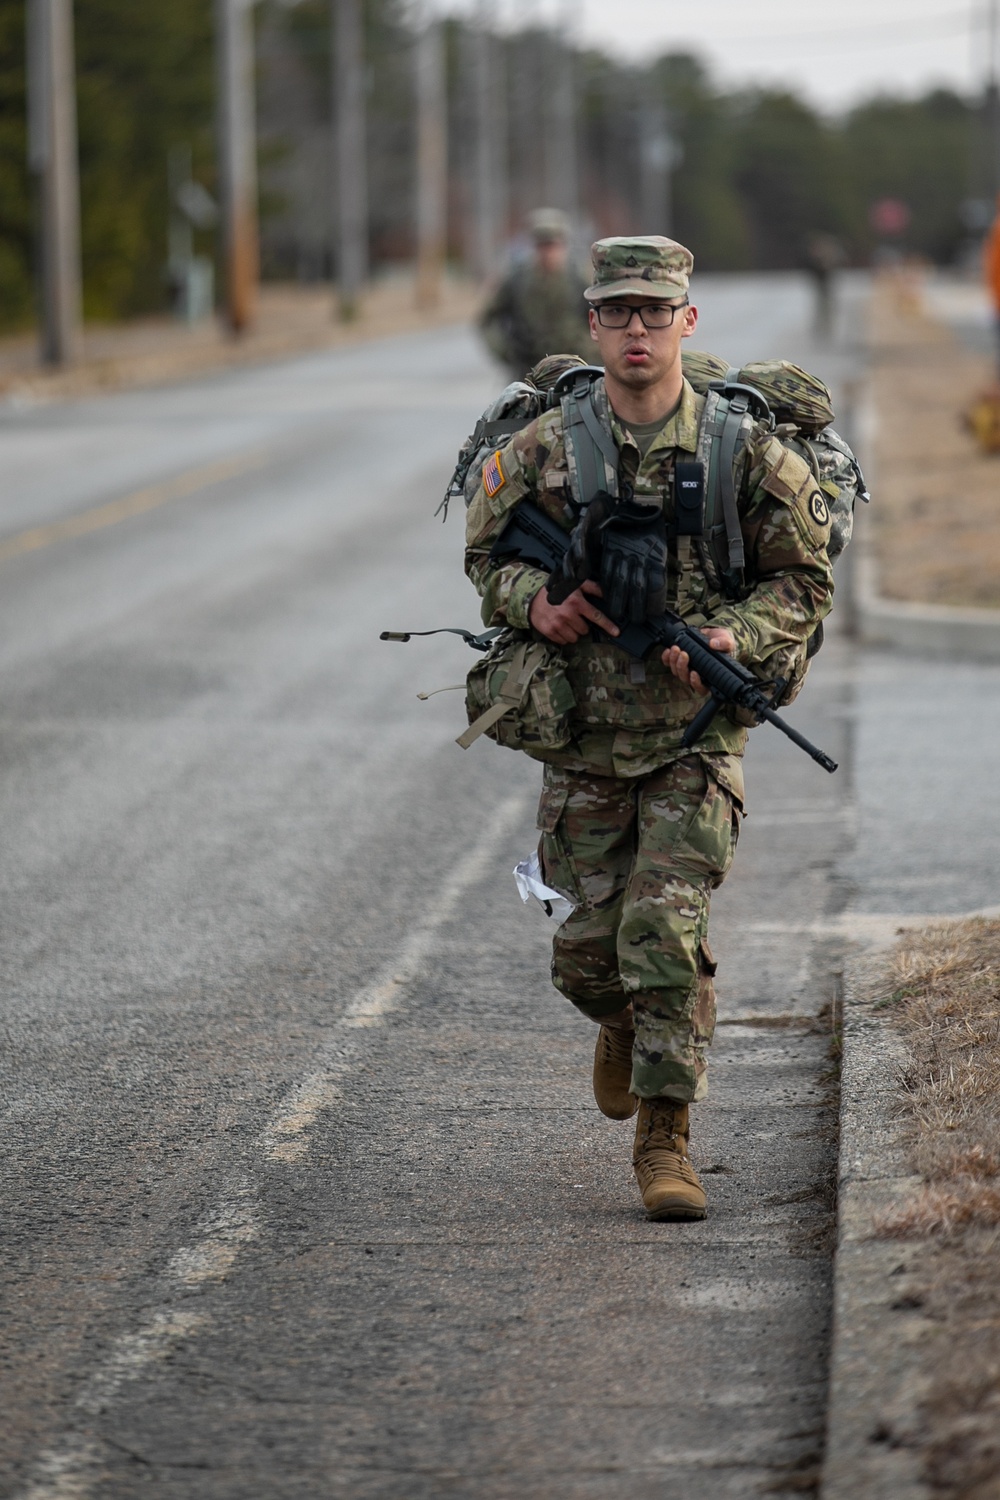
{"points": [[532, 537]]}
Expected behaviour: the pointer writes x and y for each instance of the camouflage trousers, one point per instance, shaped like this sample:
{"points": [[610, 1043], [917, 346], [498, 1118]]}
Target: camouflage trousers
{"points": [[641, 858]]}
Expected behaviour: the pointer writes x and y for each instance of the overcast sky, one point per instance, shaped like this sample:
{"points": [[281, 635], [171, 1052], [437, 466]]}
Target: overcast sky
{"points": [[834, 55]]}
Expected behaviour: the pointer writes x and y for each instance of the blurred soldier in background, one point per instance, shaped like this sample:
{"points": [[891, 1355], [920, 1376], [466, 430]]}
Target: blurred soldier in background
{"points": [[538, 308]]}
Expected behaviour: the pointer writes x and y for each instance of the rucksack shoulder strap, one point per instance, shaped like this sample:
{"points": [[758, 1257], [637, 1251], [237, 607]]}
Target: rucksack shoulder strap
{"points": [[726, 424], [591, 451]]}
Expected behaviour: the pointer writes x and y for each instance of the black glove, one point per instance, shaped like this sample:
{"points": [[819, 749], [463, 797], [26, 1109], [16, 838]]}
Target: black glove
{"points": [[633, 568], [583, 556]]}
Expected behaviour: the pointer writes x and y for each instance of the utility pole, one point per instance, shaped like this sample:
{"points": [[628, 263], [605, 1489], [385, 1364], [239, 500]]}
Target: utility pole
{"points": [[237, 159], [350, 153], [526, 111], [491, 132], [432, 148], [52, 158], [658, 155], [561, 182]]}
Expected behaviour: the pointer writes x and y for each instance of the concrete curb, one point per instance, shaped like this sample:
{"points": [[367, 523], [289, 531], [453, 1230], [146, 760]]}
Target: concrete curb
{"points": [[930, 630], [876, 1376]]}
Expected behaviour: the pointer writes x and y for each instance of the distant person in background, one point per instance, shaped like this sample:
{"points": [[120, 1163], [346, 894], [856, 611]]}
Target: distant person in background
{"points": [[982, 416], [991, 268], [539, 309], [824, 258]]}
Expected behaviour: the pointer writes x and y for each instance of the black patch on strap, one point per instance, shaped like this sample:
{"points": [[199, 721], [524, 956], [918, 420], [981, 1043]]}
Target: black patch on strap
{"points": [[689, 497]]}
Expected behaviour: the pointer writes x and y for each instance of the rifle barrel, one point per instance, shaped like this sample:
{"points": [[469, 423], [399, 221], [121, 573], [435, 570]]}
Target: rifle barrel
{"points": [[819, 756]]}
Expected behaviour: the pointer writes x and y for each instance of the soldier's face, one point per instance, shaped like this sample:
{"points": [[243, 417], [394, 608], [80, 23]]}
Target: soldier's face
{"points": [[551, 255], [639, 356]]}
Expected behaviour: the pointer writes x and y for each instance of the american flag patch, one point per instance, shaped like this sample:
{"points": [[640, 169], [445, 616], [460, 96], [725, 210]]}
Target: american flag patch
{"points": [[494, 478]]}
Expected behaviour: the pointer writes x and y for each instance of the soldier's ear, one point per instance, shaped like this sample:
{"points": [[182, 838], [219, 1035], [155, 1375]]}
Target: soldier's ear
{"points": [[592, 318], [690, 322]]}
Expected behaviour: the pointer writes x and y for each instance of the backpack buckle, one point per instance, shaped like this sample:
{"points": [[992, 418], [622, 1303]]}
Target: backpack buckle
{"points": [[744, 398]]}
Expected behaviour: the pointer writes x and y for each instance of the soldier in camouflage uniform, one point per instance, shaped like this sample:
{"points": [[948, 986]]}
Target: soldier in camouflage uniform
{"points": [[539, 308], [635, 829]]}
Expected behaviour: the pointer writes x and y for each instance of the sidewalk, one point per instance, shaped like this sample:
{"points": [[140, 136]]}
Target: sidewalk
{"points": [[291, 320], [926, 713]]}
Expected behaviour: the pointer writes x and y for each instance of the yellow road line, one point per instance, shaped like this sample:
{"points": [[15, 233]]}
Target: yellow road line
{"points": [[131, 505]]}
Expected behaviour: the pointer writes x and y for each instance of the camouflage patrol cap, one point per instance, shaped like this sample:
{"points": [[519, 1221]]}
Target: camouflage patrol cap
{"points": [[644, 266], [548, 224]]}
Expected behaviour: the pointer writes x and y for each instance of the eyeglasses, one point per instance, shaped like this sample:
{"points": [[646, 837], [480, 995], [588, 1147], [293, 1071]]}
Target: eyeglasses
{"points": [[651, 314]]}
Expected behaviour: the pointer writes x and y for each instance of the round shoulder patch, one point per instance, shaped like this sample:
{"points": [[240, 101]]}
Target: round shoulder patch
{"points": [[818, 509]]}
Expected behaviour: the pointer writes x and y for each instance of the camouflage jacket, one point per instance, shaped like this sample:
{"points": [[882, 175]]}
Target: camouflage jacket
{"points": [[533, 313], [630, 718]]}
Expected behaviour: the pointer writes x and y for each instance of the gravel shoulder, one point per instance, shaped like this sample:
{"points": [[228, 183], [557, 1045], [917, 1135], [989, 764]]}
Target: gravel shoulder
{"points": [[290, 320]]}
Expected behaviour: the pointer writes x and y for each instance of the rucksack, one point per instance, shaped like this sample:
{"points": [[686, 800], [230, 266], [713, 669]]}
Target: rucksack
{"points": [[800, 410], [518, 404], [794, 404]]}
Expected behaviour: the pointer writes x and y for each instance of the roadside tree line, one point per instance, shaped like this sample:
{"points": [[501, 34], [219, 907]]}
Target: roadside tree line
{"points": [[746, 178]]}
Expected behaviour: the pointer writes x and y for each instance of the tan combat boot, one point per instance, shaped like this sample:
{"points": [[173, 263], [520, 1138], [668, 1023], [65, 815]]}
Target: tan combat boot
{"points": [[613, 1072], [668, 1182]]}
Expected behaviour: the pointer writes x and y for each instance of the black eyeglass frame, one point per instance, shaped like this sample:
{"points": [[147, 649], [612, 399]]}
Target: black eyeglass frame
{"points": [[641, 308]]}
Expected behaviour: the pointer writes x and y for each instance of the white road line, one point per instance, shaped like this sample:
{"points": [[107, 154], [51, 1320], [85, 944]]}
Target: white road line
{"points": [[134, 1352], [69, 1469], [64, 1473], [232, 1224], [285, 1138]]}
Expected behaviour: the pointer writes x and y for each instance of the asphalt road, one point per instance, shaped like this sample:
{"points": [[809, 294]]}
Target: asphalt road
{"points": [[304, 1192]]}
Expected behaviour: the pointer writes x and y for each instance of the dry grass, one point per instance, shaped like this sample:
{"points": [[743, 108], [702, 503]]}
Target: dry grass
{"points": [[942, 989], [934, 517], [944, 985]]}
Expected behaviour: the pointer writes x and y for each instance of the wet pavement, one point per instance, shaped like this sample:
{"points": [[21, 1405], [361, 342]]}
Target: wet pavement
{"points": [[305, 1192]]}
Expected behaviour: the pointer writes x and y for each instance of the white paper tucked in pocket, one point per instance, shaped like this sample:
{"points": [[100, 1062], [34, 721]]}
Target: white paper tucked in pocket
{"points": [[528, 875]]}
